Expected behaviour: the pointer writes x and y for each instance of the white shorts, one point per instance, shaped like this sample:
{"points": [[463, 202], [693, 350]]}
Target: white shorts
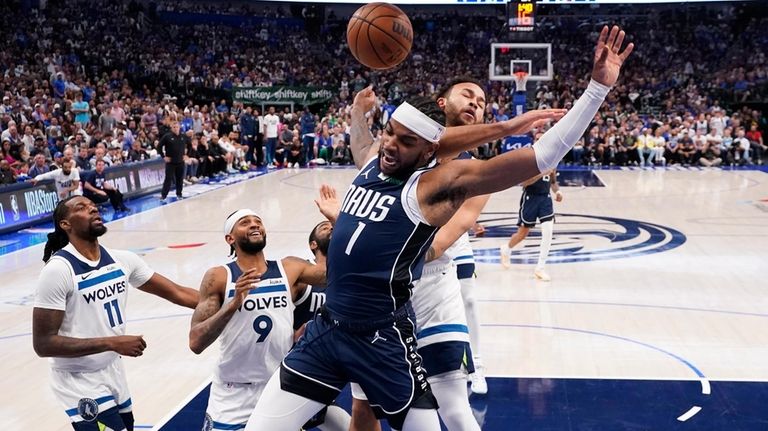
{"points": [[231, 404], [85, 395], [439, 307]]}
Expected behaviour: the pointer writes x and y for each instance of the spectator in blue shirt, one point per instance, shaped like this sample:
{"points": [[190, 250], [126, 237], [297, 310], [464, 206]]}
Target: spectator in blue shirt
{"points": [[59, 86], [81, 110], [307, 123]]}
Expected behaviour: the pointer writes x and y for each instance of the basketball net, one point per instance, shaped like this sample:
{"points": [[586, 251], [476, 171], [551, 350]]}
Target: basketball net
{"points": [[521, 78]]}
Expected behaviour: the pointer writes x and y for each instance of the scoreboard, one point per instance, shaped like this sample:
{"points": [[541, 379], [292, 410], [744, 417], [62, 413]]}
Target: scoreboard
{"points": [[521, 15]]}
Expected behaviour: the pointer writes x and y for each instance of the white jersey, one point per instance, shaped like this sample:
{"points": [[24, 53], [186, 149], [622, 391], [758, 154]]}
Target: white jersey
{"points": [[93, 296], [62, 181], [271, 122], [461, 251], [260, 333]]}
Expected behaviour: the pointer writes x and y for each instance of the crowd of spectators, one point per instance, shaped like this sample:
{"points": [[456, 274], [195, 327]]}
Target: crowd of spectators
{"points": [[101, 80]]}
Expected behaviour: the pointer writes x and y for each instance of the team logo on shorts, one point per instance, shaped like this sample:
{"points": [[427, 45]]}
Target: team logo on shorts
{"points": [[88, 409], [207, 423], [577, 238]]}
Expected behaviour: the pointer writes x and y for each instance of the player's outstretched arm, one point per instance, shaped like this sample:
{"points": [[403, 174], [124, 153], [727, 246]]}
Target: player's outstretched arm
{"points": [[465, 138], [360, 138], [300, 273], [608, 59], [210, 318], [48, 343], [459, 224], [170, 291]]}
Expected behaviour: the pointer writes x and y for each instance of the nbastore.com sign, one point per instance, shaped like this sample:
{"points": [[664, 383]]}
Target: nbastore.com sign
{"points": [[297, 95]]}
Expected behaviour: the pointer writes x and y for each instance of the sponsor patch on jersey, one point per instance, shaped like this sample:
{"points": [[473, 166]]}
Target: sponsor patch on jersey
{"points": [[88, 409]]}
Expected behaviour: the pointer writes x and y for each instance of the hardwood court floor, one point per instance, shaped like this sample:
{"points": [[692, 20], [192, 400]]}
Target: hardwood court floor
{"points": [[659, 276]]}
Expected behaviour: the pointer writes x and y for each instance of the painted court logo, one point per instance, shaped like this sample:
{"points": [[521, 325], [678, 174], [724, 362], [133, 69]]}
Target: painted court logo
{"points": [[577, 238]]}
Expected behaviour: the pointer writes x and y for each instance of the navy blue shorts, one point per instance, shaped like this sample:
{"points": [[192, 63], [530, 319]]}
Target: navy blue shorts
{"points": [[384, 363], [447, 356], [465, 270], [533, 207]]}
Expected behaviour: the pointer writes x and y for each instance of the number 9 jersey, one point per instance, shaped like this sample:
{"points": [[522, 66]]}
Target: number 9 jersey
{"points": [[260, 333]]}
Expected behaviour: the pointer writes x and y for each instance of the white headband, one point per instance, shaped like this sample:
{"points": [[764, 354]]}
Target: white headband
{"points": [[418, 122], [235, 217]]}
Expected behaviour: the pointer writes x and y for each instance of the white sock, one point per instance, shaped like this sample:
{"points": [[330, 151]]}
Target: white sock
{"points": [[450, 389], [279, 410], [337, 419], [473, 321], [546, 242], [558, 140]]}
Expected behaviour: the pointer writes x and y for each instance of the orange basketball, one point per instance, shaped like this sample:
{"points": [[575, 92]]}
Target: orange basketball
{"points": [[380, 35]]}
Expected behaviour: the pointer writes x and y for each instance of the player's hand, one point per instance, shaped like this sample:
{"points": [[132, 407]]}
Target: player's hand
{"points": [[328, 203], [558, 196], [608, 58], [128, 345], [523, 124], [247, 281], [167, 159], [365, 99]]}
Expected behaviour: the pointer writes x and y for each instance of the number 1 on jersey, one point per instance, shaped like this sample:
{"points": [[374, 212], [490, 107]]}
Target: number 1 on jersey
{"points": [[355, 235]]}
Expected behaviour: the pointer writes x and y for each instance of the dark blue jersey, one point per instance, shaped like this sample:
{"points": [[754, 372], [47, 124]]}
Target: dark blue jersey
{"points": [[540, 187], [378, 245], [306, 306]]}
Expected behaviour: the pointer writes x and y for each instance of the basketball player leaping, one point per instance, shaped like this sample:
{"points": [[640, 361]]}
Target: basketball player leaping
{"points": [[535, 204], [388, 218], [80, 313], [445, 327], [249, 303]]}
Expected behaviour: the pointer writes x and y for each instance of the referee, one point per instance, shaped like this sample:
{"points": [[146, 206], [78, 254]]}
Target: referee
{"points": [[173, 147]]}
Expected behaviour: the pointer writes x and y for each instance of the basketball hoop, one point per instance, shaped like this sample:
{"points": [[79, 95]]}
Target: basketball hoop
{"points": [[521, 78]]}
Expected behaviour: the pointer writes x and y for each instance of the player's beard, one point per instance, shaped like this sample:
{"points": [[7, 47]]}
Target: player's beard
{"points": [[252, 247], [96, 231], [323, 244], [454, 117], [403, 171]]}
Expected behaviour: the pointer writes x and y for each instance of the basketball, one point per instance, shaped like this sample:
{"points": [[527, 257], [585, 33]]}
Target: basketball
{"points": [[380, 35]]}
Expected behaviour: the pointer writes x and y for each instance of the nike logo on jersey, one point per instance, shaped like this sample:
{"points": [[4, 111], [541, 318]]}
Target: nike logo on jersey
{"points": [[364, 203], [86, 275]]}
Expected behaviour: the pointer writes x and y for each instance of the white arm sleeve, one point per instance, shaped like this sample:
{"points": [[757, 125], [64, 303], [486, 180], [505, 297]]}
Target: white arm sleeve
{"points": [[138, 271], [53, 285], [558, 140]]}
